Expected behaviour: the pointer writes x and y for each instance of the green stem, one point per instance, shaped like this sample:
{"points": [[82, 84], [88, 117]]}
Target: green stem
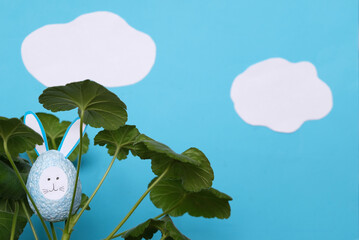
{"points": [[118, 235], [53, 143], [24, 187], [29, 220], [14, 219], [159, 216], [53, 230], [136, 204], [97, 188], [30, 158], [67, 226]]}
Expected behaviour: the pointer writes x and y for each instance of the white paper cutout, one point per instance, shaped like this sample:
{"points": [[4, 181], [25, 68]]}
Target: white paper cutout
{"points": [[280, 95], [71, 138], [31, 121], [99, 46], [53, 183]]}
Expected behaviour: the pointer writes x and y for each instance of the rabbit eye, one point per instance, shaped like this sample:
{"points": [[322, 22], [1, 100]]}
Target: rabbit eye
{"points": [[48, 179], [57, 178]]}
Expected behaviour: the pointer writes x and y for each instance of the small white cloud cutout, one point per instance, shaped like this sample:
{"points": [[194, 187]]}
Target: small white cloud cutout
{"points": [[280, 95], [100, 46]]}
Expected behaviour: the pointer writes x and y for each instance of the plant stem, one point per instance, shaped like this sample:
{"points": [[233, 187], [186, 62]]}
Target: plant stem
{"points": [[53, 230], [137, 203], [118, 235], [14, 219], [29, 220], [97, 188], [28, 155], [24, 187], [67, 226], [53, 143], [159, 216]]}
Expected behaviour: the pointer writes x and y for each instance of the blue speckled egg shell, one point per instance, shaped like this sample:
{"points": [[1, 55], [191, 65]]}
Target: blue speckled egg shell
{"points": [[53, 210]]}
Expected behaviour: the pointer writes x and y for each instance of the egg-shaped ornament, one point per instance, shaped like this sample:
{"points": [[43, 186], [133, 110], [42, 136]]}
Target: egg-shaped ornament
{"points": [[51, 180], [51, 183]]}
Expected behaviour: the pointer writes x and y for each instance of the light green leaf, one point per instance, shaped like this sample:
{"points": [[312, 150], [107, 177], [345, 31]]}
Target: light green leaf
{"points": [[18, 136], [123, 138], [192, 166], [147, 229], [172, 198], [101, 107]]}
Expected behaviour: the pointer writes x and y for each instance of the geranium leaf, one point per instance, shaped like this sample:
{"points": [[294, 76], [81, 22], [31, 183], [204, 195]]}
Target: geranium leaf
{"points": [[7, 209], [122, 138], [169, 195], [147, 229], [192, 166], [101, 107], [18, 136], [55, 131], [10, 187]]}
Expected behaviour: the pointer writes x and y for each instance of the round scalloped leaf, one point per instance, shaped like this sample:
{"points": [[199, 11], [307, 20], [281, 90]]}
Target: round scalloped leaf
{"points": [[101, 107], [209, 203], [18, 136], [147, 229], [192, 166], [123, 138], [10, 187]]}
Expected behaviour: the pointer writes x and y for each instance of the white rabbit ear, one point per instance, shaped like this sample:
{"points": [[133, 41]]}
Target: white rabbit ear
{"points": [[71, 138], [33, 122]]}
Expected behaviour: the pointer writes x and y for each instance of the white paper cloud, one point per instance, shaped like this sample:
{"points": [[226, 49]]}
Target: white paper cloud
{"points": [[100, 46], [280, 95]]}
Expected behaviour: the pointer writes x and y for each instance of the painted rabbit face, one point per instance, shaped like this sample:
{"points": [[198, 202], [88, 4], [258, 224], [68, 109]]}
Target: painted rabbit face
{"points": [[53, 183]]}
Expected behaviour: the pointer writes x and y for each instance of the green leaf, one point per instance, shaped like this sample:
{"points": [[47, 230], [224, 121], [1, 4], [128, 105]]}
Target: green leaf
{"points": [[192, 166], [55, 131], [10, 187], [18, 136], [147, 229], [84, 199], [7, 210], [172, 198], [101, 107], [123, 138]]}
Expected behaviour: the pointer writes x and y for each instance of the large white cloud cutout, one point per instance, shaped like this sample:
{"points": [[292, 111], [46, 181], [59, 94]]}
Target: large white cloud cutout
{"points": [[100, 46], [280, 95]]}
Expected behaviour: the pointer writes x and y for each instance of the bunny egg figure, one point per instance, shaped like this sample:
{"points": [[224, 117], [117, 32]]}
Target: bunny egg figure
{"points": [[51, 179]]}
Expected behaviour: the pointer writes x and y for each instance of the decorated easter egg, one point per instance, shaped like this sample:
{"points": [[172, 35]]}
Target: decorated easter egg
{"points": [[51, 184]]}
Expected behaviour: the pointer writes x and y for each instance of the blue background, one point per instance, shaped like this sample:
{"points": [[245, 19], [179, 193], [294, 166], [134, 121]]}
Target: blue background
{"points": [[285, 186]]}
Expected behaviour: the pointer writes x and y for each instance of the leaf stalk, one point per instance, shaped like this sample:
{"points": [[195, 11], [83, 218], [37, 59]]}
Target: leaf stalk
{"points": [[95, 191], [137, 203], [29, 220]]}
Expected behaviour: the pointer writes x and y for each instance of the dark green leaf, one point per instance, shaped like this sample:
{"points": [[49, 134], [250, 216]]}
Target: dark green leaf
{"points": [[84, 199], [192, 166], [7, 209], [18, 136], [123, 138], [55, 131], [169, 195], [101, 107], [10, 187], [147, 229]]}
